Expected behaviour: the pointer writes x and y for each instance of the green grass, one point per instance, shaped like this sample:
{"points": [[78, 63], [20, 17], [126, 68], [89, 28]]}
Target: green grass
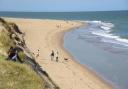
{"points": [[2, 57], [5, 40], [14, 75], [18, 76], [21, 55]]}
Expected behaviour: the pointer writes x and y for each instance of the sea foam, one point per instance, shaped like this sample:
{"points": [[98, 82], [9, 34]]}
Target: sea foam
{"points": [[104, 30]]}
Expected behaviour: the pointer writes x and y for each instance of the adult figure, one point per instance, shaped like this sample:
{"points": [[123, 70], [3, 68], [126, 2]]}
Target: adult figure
{"points": [[52, 55]]}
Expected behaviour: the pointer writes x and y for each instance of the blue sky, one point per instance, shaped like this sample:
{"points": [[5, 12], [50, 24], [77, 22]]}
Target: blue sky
{"points": [[63, 5]]}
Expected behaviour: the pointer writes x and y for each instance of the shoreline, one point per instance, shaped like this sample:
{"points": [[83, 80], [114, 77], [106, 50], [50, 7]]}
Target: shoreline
{"points": [[93, 73], [87, 75]]}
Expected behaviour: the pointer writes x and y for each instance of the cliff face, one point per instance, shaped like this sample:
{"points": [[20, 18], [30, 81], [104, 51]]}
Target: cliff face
{"points": [[11, 36]]}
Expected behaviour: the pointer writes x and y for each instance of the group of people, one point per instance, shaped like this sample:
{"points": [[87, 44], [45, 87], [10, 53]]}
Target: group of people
{"points": [[54, 55]]}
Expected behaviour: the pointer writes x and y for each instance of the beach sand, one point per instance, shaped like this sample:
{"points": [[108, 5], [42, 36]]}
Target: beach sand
{"points": [[47, 35]]}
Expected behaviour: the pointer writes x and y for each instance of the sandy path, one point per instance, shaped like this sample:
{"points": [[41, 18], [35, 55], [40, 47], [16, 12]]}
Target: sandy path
{"points": [[45, 35]]}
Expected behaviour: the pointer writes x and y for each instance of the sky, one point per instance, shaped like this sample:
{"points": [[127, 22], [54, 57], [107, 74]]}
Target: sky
{"points": [[62, 5]]}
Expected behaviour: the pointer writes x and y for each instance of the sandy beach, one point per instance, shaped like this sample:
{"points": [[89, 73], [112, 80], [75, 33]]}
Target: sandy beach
{"points": [[43, 36]]}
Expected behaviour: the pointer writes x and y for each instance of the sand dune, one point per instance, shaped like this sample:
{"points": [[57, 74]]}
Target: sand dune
{"points": [[47, 35]]}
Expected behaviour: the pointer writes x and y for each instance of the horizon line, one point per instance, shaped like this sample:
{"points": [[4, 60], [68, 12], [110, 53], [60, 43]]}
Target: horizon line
{"points": [[65, 11]]}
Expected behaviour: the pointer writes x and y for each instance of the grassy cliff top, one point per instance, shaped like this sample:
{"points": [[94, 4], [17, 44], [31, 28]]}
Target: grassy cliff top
{"points": [[14, 75]]}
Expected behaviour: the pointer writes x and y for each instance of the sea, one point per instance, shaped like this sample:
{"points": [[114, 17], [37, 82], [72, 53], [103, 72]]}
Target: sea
{"points": [[101, 45]]}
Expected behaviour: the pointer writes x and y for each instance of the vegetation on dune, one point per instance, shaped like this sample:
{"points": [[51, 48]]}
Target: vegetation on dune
{"points": [[21, 55], [14, 75], [18, 76], [10, 35], [5, 36], [5, 40], [2, 57]]}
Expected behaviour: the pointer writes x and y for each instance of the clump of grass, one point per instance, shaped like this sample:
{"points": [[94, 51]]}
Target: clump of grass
{"points": [[22, 55], [18, 76], [2, 57], [5, 40]]}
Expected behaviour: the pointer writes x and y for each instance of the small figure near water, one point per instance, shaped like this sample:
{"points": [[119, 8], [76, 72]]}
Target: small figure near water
{"points": [[52, 55]]}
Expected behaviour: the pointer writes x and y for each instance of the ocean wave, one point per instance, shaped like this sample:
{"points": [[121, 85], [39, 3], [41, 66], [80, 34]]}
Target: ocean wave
{"points": [[103, 30]]}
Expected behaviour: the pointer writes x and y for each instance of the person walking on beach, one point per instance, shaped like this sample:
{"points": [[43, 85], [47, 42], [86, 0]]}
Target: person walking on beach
{"points": [[57, 53], [52, 55]]}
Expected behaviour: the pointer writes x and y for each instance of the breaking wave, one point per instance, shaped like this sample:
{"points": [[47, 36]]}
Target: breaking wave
{"points": [[104, 30]]}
